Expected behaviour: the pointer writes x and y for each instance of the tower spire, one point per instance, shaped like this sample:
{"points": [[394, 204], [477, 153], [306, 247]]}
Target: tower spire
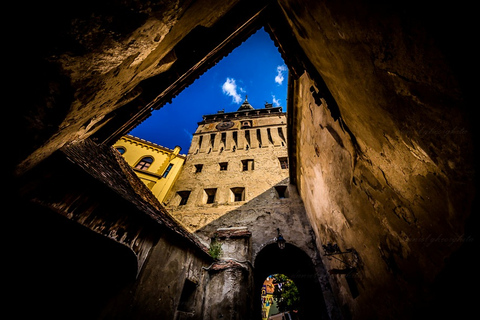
{"points": [[246, 105]]}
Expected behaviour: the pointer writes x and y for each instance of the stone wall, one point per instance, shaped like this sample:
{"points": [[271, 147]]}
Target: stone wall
{"points": [[394, 209], [171, 286]]}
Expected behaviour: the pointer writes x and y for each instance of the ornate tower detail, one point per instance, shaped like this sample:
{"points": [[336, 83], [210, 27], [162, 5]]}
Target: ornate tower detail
{"points": [[233, 159]]}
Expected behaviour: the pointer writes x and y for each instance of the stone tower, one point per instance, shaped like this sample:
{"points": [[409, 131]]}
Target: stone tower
{"points": [[234, 159]]}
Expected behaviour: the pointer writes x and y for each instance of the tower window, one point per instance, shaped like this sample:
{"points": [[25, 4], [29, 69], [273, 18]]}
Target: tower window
{"points": [[280, 133], [270, 139], [246, 124], [281, 192], [183, 197], [235, 137], [120, 150], [247, 136], [210, 195], [238, 194], [259, 138], [198, 168], [223, 166], [165, 174], [224, 137], [247, 165], [283, 162], [144, 164], [212, 139]]}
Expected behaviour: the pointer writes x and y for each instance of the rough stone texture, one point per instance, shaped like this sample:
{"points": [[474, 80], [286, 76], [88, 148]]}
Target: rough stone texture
{"points": [[229, 291], [158, 291], [380, 205]]}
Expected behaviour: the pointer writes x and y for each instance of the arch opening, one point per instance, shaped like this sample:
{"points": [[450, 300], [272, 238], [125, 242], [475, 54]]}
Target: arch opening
{"points": [[296, 265], [280, 298]]}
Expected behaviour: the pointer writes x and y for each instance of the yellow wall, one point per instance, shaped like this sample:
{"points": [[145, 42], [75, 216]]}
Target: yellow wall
{"points": [[136, 149]]}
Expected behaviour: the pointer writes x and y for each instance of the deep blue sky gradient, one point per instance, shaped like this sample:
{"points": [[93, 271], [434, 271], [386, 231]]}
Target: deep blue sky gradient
{"points": [[253, 66]]}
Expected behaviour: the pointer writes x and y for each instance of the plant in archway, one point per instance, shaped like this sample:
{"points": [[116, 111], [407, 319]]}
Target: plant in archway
{"points": [[286, 294]]}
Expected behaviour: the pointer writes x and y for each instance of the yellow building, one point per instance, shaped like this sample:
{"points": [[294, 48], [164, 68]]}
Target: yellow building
{"points": [[158, 167]]}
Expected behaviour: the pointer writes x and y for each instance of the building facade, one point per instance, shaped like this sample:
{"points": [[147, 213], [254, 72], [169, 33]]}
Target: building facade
{"points": [[234, 159], [158, 167]]}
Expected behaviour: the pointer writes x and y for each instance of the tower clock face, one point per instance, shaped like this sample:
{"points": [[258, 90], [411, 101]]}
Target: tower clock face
{"points": [[224, 125]]}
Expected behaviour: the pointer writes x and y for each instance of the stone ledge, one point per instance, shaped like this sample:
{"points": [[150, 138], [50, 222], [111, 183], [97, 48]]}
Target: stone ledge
{"points": [[236, 232]]}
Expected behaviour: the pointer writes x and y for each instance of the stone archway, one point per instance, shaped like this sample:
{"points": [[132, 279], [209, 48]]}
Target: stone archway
{"points": [[298, 266]]}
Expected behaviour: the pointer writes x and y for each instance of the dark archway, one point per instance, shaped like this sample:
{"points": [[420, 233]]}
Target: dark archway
{"points": [[297, 265]]}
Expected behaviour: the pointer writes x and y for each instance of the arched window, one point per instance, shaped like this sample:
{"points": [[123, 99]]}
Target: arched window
{"points": [[144, 164], [120, 150]]}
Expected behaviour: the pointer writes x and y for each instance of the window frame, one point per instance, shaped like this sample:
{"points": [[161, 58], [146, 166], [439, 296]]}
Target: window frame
{"points": [[283, 162], [248, 165], [167, 170], [144, 166], [223, 166], [282, 192], [237, 191], [184, 196], [210, 195]]}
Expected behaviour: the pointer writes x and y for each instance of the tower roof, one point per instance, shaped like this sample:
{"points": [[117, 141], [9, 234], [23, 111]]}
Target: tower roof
{"points": [[245, 106]]}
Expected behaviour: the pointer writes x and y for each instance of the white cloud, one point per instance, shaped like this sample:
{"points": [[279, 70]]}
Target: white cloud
{"points": [[280, 70], [276, 102], [230, 88]]}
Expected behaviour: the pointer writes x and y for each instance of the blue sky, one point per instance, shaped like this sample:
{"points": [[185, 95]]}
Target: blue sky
{"points": [[255, 69]]}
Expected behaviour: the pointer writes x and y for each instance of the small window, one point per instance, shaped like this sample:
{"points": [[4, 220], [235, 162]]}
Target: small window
{"points": [[223, 166], [259, 138], [187, 298], [246, 124], [183, 197], [283, 162], [120, 150], [247, 137], [281, 192], [247, 165], [212, 139], [165, 174], [235, 137], [238, 194], [210, 195], [198, 168], [144, 164]]}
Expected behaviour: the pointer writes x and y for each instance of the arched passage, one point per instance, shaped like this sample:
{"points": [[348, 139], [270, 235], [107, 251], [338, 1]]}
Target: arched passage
{"points": [[297, 265]]}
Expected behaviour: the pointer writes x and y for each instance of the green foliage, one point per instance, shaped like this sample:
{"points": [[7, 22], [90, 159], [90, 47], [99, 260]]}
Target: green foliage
{"points": [[215, 249], [286, 294]]}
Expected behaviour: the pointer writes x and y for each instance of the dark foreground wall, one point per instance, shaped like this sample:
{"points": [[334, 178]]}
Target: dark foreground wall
{"points": [[171, 286]]}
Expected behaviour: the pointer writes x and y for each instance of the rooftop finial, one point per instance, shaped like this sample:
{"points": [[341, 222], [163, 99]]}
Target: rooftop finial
{"points": [[245, 105]]}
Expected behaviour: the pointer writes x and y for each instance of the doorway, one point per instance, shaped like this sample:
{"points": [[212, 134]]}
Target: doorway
{"points": [[295, 264]]}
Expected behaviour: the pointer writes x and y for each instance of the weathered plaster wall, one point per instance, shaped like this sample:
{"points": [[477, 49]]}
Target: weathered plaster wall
{"points": [[157, 292], [396, 208]]}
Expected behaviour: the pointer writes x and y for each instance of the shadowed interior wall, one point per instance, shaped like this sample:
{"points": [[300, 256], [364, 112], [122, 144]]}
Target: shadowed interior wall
{"points": [[401, 214]]}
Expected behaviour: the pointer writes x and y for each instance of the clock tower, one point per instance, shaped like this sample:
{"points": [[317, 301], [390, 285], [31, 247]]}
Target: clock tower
{"points": [[236, 175]]}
